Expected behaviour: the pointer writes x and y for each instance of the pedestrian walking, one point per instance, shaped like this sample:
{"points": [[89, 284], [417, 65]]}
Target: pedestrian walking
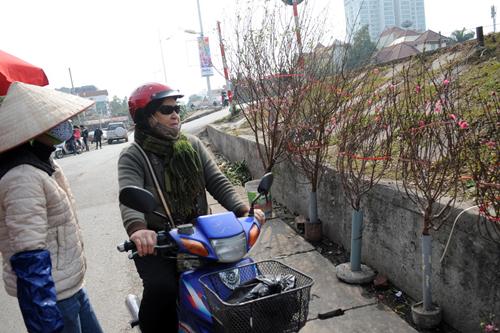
{"points": [[85, 136], [185, 170], [40, 241], [98, 138]]}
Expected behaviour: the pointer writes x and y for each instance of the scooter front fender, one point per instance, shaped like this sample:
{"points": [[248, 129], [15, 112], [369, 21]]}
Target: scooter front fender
{"points": [[194, 312]]}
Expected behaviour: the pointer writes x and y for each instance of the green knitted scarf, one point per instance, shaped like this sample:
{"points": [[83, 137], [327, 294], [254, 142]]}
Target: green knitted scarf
{"points": [[182, 171]]}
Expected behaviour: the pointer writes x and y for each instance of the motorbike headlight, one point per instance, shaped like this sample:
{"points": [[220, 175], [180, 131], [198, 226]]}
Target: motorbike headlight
{"points": [[230, 249]]}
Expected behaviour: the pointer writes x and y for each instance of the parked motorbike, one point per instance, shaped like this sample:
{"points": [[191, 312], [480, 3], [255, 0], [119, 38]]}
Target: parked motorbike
{"points": [[64, 148], [226, 292]]}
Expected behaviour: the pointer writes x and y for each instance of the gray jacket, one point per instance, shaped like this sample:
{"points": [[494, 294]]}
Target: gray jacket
{"points": [[133, 170]]}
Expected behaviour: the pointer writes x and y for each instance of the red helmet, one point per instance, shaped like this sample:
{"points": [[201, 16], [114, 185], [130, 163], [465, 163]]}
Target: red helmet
{"points": [[148, 92]]}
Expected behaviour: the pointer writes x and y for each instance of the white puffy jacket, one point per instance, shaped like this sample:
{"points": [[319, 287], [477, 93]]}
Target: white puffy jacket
{"points": [[37, 212]]}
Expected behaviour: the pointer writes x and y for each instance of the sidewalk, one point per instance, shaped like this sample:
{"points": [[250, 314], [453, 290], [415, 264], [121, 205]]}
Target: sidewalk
{"points": [[362, 314]]}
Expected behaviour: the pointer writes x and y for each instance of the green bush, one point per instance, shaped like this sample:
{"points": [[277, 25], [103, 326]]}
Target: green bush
{"points": [[237, 172]]}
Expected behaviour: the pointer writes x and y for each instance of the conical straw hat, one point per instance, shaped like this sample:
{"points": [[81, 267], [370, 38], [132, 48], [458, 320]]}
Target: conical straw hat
{"points": [[28, 111]]}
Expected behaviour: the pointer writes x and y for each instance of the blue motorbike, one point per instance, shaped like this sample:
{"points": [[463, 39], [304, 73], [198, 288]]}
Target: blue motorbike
{"points": [[226, 292]]}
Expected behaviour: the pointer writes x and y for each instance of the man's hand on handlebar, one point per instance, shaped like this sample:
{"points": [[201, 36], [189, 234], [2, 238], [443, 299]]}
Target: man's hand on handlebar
{"points": [[259, 215], [145, 241]]}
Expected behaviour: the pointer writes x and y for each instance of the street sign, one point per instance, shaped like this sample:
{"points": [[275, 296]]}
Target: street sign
{"points": [[205, 58], [290, 2]]}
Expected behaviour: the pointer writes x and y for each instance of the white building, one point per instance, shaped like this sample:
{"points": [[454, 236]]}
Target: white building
{"points": [[100, 97], [396, 43], [395, 35], [430, 41], [380, 14]]}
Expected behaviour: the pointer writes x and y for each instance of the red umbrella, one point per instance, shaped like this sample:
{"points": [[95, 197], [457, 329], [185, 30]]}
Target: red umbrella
{"points": [[14, 69]]}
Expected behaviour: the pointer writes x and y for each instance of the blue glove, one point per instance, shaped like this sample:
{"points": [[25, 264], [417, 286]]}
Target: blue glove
{"points": [[36, 291]]}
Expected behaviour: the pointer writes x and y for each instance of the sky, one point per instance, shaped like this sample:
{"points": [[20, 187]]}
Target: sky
{"points": [[118, 45]]}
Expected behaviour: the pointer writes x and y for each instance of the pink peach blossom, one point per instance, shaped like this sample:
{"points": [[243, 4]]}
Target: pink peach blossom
{"points": [[437, 107], [463, 124], [491, 144], [490, 328]]}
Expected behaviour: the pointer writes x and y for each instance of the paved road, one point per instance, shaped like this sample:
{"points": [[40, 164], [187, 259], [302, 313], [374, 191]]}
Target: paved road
{"points": [[199, 124], [110, 275]]}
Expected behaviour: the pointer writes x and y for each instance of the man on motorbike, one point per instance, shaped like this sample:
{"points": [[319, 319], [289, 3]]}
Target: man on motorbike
{"points": [[185, 170]]}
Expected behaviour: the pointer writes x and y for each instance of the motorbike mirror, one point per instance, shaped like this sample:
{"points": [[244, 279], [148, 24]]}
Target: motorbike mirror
{"points": [[265, 183], [264, 186], [138, 198]]}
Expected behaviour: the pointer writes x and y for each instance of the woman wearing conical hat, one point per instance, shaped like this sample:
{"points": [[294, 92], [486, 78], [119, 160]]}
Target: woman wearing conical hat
{"points": [[40, 240]]}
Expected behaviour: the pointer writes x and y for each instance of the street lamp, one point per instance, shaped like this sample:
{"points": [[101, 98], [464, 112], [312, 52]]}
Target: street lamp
{"points": [[163, 57]]}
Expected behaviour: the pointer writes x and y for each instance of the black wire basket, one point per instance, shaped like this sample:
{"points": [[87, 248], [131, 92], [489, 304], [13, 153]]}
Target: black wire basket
{"points": [[283, 312]]}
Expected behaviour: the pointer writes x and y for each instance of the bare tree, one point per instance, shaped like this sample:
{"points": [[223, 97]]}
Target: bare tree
{"points": [[324, 88], [314, 125], [431, 144], [269, 76], [364, 139]]}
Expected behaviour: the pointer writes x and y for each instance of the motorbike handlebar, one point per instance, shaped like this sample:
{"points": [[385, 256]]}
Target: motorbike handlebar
{"points": [[163, 242], [126, 246]]}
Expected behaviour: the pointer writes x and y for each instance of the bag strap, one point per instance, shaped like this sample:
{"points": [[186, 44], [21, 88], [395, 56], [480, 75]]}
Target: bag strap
{"points": [[157, 184]]}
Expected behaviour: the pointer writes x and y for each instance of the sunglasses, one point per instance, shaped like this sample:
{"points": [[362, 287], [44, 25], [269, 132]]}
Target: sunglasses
{"points": [[168, 109]]}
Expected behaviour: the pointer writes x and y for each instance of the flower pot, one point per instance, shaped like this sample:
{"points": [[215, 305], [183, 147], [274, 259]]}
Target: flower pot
{"points": [[425, 319], [265, 205], [313, 232], [345, 273]]}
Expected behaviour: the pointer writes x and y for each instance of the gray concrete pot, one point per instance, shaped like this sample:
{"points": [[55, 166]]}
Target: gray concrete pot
{"points": [[423, 318], [345, 273]]}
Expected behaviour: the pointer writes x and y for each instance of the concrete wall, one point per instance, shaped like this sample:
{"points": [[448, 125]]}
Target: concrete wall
{"points": [[466, 284]]}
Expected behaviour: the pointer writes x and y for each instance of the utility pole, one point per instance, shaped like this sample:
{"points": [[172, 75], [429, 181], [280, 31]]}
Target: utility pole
{"points": [[226, 70], [71, 79], [73, 92], [294, 4], [494, 17], [162, 59], [201, 35], [297, 32]]}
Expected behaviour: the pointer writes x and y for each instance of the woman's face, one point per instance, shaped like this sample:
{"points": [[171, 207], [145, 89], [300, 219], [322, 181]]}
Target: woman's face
{"points": [[172, 120]]}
